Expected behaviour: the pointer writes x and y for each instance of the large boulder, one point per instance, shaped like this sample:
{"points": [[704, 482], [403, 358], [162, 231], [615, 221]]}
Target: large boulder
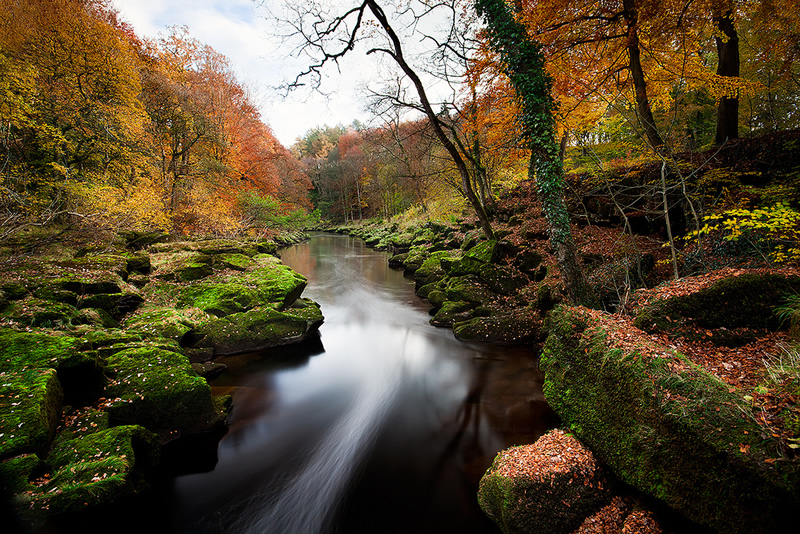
{"points": [[667, 427], [158, 389], [512, 326], [744, 301], [30, 409], [257, 329], [549, 487]]}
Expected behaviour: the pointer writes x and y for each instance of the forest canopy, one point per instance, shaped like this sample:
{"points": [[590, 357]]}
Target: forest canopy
{"points": [[103, 127]]}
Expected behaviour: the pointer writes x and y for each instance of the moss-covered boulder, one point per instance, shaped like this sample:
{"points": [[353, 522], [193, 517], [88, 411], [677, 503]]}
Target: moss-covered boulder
{"points": [[549, 487], [452, 311], [257, 329], [415, 258], [510, 326], [158, 389], [181, 265], [33, 312], [666, 427], [470, 289], [30, 408], [94, 469], [431, 269], [20, 350], [744, 301], [169, 323]]}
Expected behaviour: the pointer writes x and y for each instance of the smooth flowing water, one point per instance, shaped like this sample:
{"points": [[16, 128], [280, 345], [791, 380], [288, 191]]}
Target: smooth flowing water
{"points": [[385, 424]]}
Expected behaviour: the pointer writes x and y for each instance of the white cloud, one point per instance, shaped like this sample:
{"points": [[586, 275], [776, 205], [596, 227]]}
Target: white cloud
{"points": [[238, 30]]}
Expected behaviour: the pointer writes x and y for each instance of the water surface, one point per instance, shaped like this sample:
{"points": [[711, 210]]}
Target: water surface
{"points": [[383, 424]]}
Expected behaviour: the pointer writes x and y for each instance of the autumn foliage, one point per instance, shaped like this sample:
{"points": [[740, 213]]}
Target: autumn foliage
{"points": [[103, 128]]}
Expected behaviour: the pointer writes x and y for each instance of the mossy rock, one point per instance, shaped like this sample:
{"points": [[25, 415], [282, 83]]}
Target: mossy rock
{"points": [[30, 408], [307, 310], [470, 289], [137, 262], [220, 298], [95, 469], [398, 260], [486, 252], [113, 263], [82, 422], [744, 301], [159, 390], [181, 266], [667, 427], [548, 487], [250, 331], [14, 290], [55, 294], [236, 262], [16, 473], [41, 313], [415, 258], [437, 298], [514, 326], [461, 266], [266, 246], [431, 269], [86, 283], [501, 279], [162, 322], [39, 350], [136, 240], [452, 311]]}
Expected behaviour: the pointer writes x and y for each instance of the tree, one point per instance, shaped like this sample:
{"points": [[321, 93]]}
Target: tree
{"points": [[524, 64], [331, 37]]}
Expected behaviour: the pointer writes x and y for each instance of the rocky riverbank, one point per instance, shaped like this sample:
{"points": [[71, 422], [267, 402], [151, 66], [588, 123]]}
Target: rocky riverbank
{"points": [[105, 350]]}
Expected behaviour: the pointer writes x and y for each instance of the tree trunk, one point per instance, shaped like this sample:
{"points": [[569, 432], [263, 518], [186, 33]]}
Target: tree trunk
{"points": [[452, 150], [643, 109], [523, 62], [727, 65]]}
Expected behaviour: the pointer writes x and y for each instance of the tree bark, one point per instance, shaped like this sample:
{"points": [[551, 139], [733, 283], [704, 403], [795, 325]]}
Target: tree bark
{"points": [[727, 65], [643, 109]]}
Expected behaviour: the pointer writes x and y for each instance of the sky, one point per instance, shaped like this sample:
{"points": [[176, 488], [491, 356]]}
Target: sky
{"points": [[241, 30]]}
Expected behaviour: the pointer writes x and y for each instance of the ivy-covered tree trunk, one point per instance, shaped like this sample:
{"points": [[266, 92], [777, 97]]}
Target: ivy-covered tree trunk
{"points": [[523, 63]]}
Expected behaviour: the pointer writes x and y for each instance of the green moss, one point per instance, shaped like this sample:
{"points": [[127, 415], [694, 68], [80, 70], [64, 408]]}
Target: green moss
{"points": [[452, 311], [251, 331], [158, 389], [485, 252], [41, 313], [161, 322], [431, 269], [237, 262], [666, 427], [748, 300], [514, 326], [16, 473], [96, 469], [31, 350], [30, 407], [470, 289]]}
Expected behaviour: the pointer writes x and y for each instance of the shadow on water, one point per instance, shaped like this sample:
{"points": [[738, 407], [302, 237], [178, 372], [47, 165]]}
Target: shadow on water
{"points": [[383, 424]]}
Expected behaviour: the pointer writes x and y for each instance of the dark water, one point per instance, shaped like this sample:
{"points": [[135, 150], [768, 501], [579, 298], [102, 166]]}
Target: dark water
{"points": [[384, 425]]}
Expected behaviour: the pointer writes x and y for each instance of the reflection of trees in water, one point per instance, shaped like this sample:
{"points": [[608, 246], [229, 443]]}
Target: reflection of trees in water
{"points": [[504, 399]]}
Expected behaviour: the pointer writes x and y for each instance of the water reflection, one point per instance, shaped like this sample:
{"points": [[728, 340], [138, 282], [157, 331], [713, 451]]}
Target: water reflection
{"points": [[387, 426]]}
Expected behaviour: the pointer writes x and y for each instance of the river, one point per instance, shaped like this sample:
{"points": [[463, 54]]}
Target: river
{"points": [[384, 424]]}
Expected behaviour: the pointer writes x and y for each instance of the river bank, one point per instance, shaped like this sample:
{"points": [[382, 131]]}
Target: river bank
{"points": [[105, 351]]}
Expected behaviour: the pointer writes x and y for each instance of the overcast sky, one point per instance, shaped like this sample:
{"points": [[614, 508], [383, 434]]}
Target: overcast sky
{"points": [[241, 31]]}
